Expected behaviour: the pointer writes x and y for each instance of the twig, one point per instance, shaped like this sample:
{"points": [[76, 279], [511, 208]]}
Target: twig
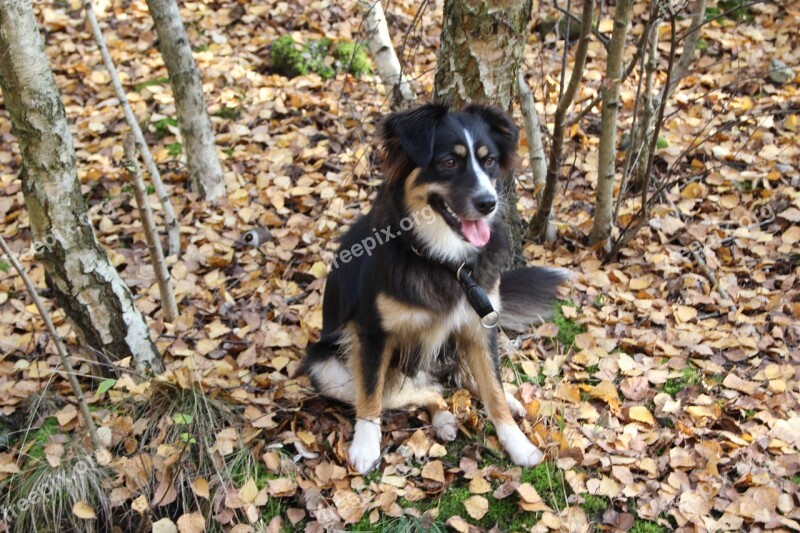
{"points": [[540, 223], [626, 237], [599, 97], [170, 220], [62, 350], [599, 36], [689, 44], [651, 30], [150, 234], [701, 263]]}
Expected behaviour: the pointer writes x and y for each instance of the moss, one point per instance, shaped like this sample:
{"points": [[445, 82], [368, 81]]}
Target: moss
{"points": [[401, 524], [689, 376], [41, 437], [567, 329], [549, 482], [504, 514], [796, 479], [315, 53], [350, 57], [320, 56], [645, 526], [594, 505], [287, 58]]}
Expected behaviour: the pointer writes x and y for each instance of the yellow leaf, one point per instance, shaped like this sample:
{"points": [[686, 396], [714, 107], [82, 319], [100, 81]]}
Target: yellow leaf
{"points": [[568, 392], [685, 313], [790, 123], [200, 488], [318, 270], [476, 506], [140, 504], [479, 485], [530, 499], [640, 413], [81, 509], [249, 491], [606, 26], [606, 391]]}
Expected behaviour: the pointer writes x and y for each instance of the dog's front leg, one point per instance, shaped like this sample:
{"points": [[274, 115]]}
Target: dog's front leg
{"points": [[368, 364], [479, 346]]}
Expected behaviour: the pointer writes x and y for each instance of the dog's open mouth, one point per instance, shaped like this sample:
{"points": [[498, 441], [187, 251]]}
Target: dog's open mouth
{"points": [[475, 232]]}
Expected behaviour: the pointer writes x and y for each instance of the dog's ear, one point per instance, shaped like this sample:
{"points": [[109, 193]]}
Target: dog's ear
{"points": [[504, 132], [412, 133]]}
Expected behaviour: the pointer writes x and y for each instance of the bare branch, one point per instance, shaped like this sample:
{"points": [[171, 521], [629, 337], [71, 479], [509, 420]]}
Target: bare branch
{"points": [[150, 233], [62, 350], [540, 222], [173, 228], [626, 237]]}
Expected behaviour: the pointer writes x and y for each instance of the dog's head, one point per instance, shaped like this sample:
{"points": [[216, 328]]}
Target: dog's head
{"points": [[446, 163]]}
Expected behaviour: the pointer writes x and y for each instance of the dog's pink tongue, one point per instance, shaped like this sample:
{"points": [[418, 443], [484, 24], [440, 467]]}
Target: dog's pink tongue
{"points": [[476, 231]]}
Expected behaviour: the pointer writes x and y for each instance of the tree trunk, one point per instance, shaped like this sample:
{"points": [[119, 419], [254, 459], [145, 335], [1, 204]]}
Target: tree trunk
{"points": [[77, 270], [382, 51], [606, 170], [479, 56], [199, 146]]}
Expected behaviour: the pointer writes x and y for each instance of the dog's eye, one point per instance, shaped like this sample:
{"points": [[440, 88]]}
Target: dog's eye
{"points": [[449, 163], [489, 162]]}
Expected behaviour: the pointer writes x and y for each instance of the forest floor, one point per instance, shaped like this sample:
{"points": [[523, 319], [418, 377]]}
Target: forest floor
{"points": [[661, 404]]}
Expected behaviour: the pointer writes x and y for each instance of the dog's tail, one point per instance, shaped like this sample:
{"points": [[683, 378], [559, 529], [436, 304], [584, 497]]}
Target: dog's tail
{"points": [[527, 295]]}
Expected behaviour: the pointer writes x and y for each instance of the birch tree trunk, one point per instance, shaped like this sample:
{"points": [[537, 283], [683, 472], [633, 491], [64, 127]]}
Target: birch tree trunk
{"points": [[606, 170], [77, 270], [481, 48], [384, 55], [199, 145]]}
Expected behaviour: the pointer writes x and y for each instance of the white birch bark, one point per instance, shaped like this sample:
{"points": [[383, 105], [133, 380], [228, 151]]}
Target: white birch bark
{"points": [[380, 48], [85, 285], [534, 132], [197, 133], [606, 170]]}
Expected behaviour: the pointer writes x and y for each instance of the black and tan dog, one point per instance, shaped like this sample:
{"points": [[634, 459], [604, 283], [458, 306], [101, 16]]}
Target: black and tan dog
{"points": [[414, 289]]}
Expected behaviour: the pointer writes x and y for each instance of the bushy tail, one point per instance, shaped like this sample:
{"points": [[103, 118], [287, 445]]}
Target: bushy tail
{"points": [[527, 295]]}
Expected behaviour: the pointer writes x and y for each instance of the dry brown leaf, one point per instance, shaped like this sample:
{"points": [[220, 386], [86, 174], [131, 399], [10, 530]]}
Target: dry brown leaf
{"points": [[434, 471]]}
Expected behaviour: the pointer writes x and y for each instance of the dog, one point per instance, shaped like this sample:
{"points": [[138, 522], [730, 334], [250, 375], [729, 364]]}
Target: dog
{"points": [[415, 289]]}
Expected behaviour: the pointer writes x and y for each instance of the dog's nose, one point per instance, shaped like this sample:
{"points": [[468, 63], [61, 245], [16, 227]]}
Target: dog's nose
{"points": [[485, 203]]}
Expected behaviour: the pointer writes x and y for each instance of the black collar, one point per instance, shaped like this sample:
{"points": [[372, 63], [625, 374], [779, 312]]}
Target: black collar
{"points": [[476, 296]]}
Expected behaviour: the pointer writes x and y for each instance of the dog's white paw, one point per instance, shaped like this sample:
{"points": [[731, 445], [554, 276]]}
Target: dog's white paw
{"points": [[445, 425], [519, 448], [365, 450], [515, 406]]}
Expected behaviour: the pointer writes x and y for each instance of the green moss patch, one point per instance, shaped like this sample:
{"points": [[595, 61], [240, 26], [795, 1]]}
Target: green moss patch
{"points": [[322, 57]]}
